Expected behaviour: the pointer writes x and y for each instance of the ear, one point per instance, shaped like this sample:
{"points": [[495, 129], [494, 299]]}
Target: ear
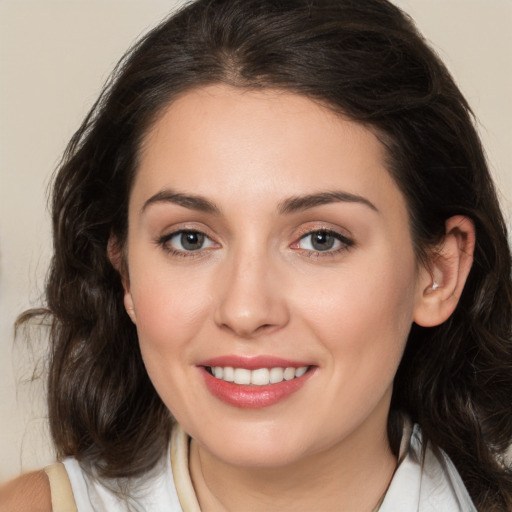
{"points": [[441, 282], [117, 259]]}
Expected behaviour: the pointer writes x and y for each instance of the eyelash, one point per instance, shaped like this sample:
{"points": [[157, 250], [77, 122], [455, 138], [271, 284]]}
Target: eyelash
{"points": [[345, 243], [164, 243]]}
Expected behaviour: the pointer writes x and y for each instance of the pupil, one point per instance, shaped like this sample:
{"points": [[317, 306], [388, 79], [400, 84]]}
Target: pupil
{"points": [[192, 241], [322, 241]]}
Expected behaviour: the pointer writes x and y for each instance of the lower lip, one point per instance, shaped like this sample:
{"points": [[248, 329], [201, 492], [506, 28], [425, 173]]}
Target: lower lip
{"points": [[253, 397]]}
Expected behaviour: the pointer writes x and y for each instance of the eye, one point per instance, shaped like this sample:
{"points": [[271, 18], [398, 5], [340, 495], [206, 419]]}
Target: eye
{"points": [[323, 241], [186, 241]]}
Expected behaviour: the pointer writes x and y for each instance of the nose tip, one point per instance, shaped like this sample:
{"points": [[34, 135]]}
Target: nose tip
{"points": [[245, 324], [251, 302]]}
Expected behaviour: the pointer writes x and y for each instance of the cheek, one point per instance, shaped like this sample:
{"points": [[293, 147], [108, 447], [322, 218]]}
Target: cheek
{"points": [[363, 315], [170, 310], [170, 315]]}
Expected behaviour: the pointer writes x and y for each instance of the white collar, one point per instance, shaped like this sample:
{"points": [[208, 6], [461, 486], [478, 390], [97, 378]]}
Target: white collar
{"points": [[424, 481]]}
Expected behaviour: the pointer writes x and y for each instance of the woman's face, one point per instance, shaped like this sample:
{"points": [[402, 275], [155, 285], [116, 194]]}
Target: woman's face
{"points": [[272, 277]]}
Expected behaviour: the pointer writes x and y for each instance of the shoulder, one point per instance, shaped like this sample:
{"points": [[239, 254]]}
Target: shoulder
{"points": [[27, 493]]}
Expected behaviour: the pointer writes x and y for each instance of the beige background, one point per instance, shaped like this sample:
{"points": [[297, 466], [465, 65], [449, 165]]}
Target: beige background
{"points": [[54, 57]]}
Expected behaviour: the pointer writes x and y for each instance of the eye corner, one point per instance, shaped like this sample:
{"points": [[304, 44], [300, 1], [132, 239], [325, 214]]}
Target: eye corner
{"points": [[186, 242], [328, 242]]}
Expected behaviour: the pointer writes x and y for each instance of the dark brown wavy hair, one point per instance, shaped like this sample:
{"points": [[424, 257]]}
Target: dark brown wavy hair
{"points": [[362, 58]]}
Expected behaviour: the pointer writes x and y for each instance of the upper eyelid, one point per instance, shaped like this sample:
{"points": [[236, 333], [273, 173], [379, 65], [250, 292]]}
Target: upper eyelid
{"points": [[164, 244], [346, 242], [324, 230], [171, 234], [174, 232], [185, 227], [308, 230], [341, 238], [303, 231]]}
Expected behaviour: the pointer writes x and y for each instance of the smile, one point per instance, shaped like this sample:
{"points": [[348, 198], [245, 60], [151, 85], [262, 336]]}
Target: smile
{"points": [[257, 377], [254, 382]]}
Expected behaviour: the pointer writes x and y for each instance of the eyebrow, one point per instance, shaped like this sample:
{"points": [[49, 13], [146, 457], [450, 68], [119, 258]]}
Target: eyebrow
{"points": [[300, 203], [291, 205], [189, 201]]}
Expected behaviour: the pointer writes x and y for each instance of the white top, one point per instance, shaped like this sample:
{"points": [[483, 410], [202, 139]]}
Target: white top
{"points": [[423, 482]]}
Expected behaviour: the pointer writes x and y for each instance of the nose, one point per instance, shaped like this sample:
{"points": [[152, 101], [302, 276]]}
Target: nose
{"points": [[251, 296]]}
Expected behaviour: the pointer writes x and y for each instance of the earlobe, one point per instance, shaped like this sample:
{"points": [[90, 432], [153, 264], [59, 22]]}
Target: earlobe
{"points": [[128, 304], [440, 285], [115, 256]]}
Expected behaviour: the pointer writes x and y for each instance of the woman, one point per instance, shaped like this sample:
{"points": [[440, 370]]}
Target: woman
{"points": [[277, 227]]}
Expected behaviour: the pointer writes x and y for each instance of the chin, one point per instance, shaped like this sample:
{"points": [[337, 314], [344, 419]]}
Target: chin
{"points": [[255, 446]]}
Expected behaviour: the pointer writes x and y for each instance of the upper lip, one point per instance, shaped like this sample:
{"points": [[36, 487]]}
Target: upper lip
{"points": [[253, 363]]}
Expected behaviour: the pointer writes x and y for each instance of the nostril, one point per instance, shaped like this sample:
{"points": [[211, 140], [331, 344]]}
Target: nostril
{"points": [[250, 307], [265, 327]]}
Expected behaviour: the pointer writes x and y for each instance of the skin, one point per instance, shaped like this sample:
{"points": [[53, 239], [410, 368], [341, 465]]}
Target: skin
{"points": [[30, 492], [256, 287]]}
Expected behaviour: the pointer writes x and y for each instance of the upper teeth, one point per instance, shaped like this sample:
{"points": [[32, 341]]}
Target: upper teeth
{"points": [[259, 377]]}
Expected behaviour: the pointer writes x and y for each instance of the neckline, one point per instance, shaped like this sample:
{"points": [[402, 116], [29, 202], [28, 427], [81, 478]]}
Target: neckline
{"points": [[180, 442]]}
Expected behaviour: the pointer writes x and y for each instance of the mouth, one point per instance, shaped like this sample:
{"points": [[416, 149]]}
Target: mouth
{"points": [[254, 383], [257, 377]]}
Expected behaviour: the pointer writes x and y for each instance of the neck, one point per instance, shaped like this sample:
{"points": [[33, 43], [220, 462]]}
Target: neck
{"points": [[351, 476]]}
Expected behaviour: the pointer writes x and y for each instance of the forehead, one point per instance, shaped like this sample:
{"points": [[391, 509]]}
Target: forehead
{"points": [[239, 144]]}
